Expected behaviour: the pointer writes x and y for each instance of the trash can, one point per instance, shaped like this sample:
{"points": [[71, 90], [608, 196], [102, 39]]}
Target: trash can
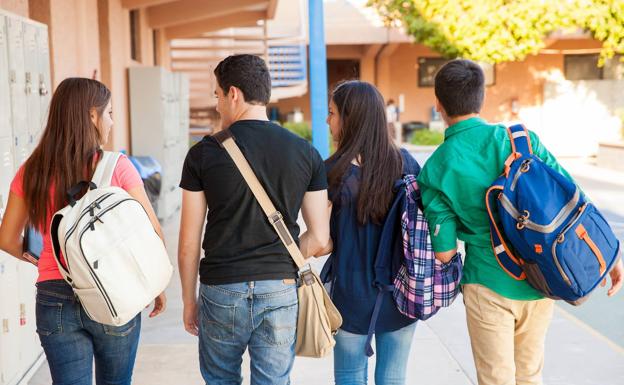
{"points": [[410, 127], [151, 173]]}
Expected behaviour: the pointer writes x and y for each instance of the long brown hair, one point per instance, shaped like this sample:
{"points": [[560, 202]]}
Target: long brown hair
{"points": [[364, 136], [65, 153]]}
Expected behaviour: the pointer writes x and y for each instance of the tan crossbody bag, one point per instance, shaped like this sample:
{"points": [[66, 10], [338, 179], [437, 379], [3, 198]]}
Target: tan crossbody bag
{"points": [[318, 318]]}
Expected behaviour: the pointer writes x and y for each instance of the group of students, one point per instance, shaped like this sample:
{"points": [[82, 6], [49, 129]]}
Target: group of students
{"points": [[247, 299]]}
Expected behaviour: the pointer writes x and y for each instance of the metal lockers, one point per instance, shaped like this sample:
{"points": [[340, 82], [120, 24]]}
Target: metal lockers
{"points": [[9, 320], [5, 96], [159, 115], [24, 98]]}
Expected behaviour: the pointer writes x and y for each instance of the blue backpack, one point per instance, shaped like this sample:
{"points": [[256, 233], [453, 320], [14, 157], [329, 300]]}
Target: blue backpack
{"points": [[561, 244]]}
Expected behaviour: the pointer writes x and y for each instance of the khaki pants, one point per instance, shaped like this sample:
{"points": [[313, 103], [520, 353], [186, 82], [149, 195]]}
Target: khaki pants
{"points": [[507, 336]]}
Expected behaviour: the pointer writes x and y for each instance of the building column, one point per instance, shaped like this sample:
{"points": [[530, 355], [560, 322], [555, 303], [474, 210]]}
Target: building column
{"points": [[318, 78], [114, 38], [163, 50], [383, 68], [367, 63]]}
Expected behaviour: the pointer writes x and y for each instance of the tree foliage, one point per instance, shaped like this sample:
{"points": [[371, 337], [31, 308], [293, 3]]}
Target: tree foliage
{"points": [[497, 31]]}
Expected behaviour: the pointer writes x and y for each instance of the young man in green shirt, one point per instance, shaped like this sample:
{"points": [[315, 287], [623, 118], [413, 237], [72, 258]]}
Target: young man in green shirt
{"points": [[507, 318]]}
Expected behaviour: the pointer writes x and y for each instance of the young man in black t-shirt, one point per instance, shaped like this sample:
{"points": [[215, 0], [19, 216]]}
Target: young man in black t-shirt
{"points": [[247, 296]]}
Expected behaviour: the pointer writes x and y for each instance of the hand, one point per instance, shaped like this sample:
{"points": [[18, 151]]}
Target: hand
{"points": [[160, 304], [191, 319], [26, 257], [617, 278]]}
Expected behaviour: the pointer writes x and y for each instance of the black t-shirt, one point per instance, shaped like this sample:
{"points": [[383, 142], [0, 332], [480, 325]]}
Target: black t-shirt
{"points": [[240, 244]]}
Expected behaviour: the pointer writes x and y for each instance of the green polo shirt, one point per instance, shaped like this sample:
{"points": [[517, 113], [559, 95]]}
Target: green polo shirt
{"points": [[453, 183]]}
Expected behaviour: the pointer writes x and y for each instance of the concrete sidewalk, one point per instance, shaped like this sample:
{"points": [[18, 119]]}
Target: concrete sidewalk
{"points": [[575, 353]]}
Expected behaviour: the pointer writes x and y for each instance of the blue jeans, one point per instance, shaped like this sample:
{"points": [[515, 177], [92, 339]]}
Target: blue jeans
{"points": [[261, 316], [392, 352], [71, 340]]}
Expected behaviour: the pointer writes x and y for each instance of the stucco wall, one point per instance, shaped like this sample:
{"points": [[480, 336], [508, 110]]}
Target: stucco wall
{"points": [[19, 7], [74, 39], [397, 73]]}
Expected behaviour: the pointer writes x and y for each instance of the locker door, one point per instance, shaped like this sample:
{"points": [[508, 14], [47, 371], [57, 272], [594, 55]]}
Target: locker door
{"points": [[17, 78], [169, 133], [9, 320], [8, 305], [30, 348], [163, 204], [174, 200], [45, 83], [21, 149], [171, 169], [184, 109], [31, 69], [6, 171], [5, 98], [164, 108], [175, 123]]}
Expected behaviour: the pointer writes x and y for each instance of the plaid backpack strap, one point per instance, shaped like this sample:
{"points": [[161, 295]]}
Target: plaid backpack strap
{"points": [[414, 285], [446, 281], [373, 322], [425, 262]]}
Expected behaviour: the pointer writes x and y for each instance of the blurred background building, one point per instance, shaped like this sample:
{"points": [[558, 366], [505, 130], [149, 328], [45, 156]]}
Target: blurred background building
{"points": [[158, 57]]}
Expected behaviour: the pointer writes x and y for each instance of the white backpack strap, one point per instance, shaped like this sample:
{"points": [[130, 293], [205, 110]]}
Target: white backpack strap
{"points": [[104, 171]]}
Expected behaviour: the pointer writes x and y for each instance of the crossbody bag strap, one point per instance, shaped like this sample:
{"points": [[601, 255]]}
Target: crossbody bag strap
{"points": [[276, 219]]}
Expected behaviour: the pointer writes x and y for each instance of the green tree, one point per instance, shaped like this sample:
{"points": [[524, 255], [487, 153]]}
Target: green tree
{"points": [[495, 31]]}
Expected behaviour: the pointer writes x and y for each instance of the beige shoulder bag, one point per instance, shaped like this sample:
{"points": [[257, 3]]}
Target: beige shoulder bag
{"points": [[318, 318]]}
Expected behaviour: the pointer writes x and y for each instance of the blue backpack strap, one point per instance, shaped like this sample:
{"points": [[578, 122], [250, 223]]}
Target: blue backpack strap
{"points": [[373, 322], [383, 259], [520, 139], [506, 259]]}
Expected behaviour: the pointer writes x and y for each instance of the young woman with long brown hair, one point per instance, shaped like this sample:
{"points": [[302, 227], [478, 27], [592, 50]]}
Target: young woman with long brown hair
{"points": [[79, 124], [362, 175]]}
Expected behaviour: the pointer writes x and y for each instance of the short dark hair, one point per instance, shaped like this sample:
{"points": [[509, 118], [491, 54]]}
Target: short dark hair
{"points": [[460, 87], [248, 73]]}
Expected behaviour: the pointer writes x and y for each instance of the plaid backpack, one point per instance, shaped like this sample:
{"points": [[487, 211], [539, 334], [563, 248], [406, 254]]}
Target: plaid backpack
{"points": [[423, 284]]}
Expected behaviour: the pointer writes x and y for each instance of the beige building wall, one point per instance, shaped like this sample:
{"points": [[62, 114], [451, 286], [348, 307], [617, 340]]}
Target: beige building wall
{"points": [[19, 7], [394, 70], [115, 59], [73, 36], [114, 23], [522, 81]]}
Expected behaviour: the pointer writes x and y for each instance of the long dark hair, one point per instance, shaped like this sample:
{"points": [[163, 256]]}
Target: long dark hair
{"points": [[364, 136], [65, 153]]}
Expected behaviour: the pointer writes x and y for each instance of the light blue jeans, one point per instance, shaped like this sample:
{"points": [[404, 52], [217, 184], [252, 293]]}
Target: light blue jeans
{"points": [[392, 351], [261, 316], [72, 341]]}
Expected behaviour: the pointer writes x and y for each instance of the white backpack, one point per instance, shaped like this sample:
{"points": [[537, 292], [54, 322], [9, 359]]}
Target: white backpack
{"points": [[116, 262]]}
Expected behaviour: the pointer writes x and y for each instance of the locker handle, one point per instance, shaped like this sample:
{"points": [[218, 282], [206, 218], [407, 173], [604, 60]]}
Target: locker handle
{"points": [[43, 90], [28, 84]]}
